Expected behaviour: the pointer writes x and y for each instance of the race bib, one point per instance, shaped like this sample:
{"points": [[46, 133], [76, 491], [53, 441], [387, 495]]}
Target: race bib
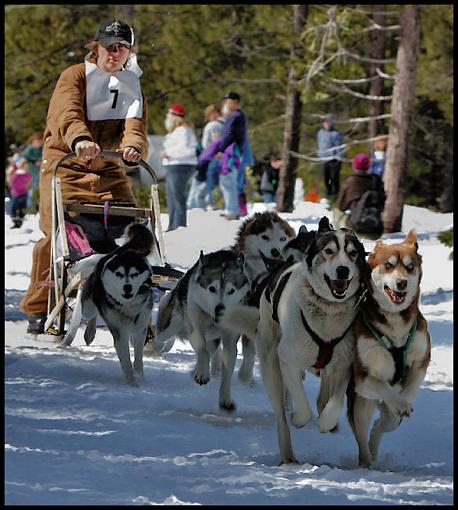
{"points": [[113, 96]]}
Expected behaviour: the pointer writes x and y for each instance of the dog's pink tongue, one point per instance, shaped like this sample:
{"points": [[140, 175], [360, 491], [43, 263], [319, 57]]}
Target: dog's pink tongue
{"points": [[395, 297]]}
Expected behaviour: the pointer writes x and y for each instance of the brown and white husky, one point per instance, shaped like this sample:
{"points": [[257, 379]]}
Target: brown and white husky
{"points": [[393, 345]]}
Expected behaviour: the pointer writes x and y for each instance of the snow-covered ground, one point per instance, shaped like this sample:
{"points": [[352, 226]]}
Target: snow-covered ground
{"points": [[76, 434]]}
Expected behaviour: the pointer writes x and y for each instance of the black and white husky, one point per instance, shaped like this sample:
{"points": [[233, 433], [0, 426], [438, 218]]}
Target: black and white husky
{"points": [[261, 238], [192, 311], [120, 290], [304, 323]]}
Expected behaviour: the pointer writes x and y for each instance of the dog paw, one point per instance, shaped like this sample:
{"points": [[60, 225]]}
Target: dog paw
{"points": [[133, 383], [201, 378], [299, 419], [365, 461], [246, 380], [228, 406], [401, 408], [326, 424]]}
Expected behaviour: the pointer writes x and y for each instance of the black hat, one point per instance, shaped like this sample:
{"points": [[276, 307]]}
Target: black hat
{"points": [[115, 32], [232, 95]]}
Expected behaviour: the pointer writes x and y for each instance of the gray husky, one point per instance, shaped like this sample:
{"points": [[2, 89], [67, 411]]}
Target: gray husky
{"points": [[120, 290], [192, 311]]}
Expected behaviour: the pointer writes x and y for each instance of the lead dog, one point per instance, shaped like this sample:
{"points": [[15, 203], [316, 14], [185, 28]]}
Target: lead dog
{"points": [[393, 345], [305, 323], [119, 289], [192, 311]]}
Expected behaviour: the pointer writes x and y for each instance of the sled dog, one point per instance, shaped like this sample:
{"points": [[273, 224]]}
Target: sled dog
{"points": [[305, 323], [192, 311], [120, 290], [393, 345], [261, 238]]}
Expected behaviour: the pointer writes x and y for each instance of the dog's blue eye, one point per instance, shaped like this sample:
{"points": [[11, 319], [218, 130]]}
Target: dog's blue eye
{"points": [[388, 265], [231, 292], [409, 267], [119, 274], [212, 289], [353, 253], [283, 239]]}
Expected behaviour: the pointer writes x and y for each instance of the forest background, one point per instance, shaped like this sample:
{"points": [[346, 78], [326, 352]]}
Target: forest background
{"points": [[193, 54]]}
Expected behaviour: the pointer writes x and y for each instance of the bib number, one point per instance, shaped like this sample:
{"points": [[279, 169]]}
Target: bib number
{"points": [[115, 98]]}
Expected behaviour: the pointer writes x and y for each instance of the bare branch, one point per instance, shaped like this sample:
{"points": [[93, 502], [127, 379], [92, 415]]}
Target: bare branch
{"points": [[368, 59], [343, 146], [368, 97], [376, 26], [347, 121], [356, 81], [384, 75]]}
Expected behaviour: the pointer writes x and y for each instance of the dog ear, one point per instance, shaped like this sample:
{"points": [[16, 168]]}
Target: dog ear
{"points": [[412, 238], [302, 229], [324, 225]]}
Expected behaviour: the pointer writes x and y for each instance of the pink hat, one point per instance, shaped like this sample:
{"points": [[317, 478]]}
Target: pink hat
{"points": [[177, 109], [361, 162]]}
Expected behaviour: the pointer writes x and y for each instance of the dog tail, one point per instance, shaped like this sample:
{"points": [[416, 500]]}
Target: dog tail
{"points": [[139, 238], [241, 319]]}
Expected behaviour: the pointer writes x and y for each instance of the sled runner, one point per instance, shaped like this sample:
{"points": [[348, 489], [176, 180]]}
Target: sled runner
{"points": [[81, 235]]}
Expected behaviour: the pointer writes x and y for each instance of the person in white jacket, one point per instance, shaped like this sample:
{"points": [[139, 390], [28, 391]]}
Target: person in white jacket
{"points": [[180, 163]]}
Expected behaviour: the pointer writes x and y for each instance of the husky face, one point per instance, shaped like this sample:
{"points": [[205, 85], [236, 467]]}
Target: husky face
{"points": [[263, 238], [395, 273], [335, 262], [124, 277], [221, 281]]}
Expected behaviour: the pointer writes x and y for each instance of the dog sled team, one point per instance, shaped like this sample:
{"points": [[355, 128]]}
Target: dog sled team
{"points": [[302, 303]]}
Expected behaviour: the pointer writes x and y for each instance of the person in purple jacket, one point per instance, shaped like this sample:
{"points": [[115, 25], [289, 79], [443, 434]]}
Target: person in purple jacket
{"points": [[234, 132]]}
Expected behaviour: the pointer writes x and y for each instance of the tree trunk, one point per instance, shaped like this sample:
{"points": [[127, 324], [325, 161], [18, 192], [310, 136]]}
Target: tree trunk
{"points": [[401, 115], [291, 133], [378, 40]]}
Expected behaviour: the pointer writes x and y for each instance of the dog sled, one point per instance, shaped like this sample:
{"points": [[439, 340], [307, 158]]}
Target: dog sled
{"points": [[84, 233]]}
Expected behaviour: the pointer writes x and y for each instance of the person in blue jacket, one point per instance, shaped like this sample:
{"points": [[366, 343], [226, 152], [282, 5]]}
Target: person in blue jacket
{"points": [[328, 140], [234, 131]]}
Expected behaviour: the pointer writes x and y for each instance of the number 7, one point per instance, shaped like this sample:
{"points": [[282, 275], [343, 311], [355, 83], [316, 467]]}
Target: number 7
{"points": [[115, 99]]}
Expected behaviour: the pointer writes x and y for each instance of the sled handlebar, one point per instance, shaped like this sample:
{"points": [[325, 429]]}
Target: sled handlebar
{"points": [[108, 154]]}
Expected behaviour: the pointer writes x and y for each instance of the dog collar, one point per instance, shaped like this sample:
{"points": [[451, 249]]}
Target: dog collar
{"points": [[399, 354], [326, 349]]}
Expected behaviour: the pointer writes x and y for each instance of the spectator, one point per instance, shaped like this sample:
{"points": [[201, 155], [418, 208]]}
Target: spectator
{"points": [[33, 154], [247, 162], [362, 194], [269, 179], [18, 179], [328, 139], [207, 178], [232, 143], [180, 163], [378, 156], [85, 116]]}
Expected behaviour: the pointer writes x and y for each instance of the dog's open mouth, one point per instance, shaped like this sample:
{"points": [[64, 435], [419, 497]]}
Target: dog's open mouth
{"points": [[396, 297], [338, 287]]}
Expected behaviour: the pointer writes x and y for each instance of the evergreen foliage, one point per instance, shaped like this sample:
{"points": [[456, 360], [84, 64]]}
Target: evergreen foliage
{"points": [[193, 54]]}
